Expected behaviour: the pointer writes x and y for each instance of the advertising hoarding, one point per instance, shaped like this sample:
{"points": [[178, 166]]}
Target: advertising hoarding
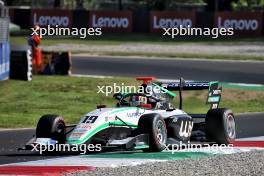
{"points": [[244, 23], [45, 17], [168, 19], [111, 21]]}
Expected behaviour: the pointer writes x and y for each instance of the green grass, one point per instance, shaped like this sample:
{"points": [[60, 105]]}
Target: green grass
{"points": [[22, 103]]}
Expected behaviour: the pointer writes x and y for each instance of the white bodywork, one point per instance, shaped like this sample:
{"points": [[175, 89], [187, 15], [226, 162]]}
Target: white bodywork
{"points": [[100, 119]]}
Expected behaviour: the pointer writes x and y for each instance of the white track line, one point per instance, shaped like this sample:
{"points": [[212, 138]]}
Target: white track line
{"points": [[91, 76], [257, 138], [15, 129], [84, 160]]}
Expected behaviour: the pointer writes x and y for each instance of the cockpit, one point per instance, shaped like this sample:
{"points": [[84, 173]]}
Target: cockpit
{"points": [[144, 100]]}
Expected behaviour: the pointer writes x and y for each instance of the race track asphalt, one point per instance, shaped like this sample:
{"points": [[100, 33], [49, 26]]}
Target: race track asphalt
{"points": [[248, 125], [224, 71]]}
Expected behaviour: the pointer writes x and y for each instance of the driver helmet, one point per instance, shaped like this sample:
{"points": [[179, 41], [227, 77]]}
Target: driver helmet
{"points": [[138, 100]]}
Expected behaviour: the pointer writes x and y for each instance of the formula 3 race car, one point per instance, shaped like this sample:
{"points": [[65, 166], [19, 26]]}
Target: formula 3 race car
{"points": [[145, 120]]}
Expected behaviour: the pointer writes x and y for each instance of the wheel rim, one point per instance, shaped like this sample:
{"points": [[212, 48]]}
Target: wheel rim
{"points": [[161, 132], [59, 133], [230, 126], [60, 128]]}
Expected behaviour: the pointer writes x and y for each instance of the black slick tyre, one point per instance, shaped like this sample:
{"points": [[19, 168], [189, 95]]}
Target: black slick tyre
{"points": [[155, 126]]}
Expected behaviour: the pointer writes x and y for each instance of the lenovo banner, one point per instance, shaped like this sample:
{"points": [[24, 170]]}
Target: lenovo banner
{"points": [[243, 23], [111, 21], [45, 17], [159, 20]]}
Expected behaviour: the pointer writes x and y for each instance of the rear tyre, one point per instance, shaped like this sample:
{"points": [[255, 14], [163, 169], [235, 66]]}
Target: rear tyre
{"points": [[220, 126], [155, 127], [51, 126]]}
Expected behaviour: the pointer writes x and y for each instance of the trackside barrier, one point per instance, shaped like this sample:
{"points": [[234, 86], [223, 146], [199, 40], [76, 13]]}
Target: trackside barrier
{"points": [[21, 64], [245, 23], [4, 60], [4, 44], [56, 63], [53, 63]]}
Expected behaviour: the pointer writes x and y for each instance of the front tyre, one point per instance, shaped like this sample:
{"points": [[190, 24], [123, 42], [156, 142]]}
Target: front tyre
{"points": [[220, 126], [51, 126], [155, 127]]}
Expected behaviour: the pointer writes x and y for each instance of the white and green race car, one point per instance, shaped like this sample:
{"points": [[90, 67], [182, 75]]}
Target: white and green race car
{"points": [[144, 120]]}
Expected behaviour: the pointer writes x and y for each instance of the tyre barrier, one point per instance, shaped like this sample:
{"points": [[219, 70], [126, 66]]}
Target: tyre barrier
{"points": [[53, 63], [56, 63], [21, 64]]}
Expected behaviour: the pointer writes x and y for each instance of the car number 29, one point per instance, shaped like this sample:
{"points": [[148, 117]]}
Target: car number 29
{"points": [[89, 119]]}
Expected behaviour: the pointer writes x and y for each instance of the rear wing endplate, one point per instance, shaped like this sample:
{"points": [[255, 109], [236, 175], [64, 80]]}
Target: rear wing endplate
{"points": [[214, 95]]}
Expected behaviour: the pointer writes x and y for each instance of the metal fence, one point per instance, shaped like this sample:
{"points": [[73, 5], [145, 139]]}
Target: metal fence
{"points": [[4, 43]]}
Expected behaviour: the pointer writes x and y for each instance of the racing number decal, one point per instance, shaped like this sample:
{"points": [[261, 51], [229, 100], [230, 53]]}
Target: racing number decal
{"points": [[90, 119], [186, 128]]}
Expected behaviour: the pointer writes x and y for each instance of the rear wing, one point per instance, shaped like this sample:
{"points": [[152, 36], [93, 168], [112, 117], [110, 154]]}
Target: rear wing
{"points": [[187, 85], [214, 89]]}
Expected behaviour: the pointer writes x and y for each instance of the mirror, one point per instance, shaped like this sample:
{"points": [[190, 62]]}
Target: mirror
{"points": [[118, 96]]}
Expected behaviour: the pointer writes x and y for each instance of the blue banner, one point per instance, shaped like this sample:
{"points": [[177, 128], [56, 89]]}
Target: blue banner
{"points": [[4, 60]]}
